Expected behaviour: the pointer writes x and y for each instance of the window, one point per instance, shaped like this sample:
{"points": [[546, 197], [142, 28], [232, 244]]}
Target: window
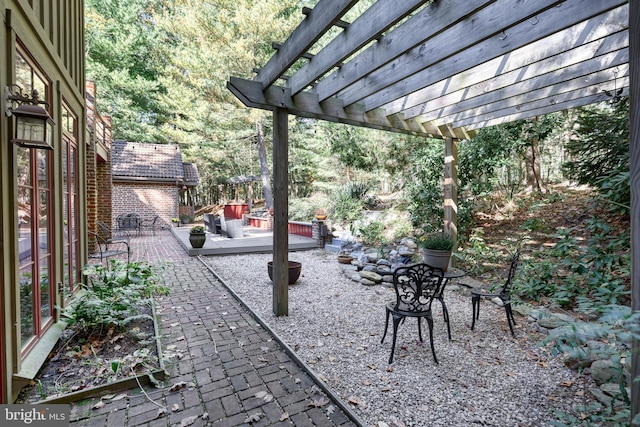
{"points": [[34, 223], [70, 202]]}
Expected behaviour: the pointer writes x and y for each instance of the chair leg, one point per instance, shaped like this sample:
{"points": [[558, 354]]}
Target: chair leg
{"points": [[510, 320], [445, 314], [475, 309], [419, 329], [386, 326], [433, 349], [396, 322]]}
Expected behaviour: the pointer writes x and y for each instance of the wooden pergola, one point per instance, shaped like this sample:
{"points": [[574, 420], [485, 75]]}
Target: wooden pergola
{"points": [[443, 69]]}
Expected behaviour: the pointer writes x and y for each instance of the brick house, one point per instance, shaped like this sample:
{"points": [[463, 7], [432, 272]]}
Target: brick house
{"points": [[148, 179], [99, 187]]}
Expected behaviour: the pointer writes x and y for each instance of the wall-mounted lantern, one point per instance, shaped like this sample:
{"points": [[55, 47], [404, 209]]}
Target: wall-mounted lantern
{"points": [[33, 126]]}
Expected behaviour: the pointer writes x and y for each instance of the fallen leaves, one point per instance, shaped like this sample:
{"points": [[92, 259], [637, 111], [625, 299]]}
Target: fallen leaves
{"points": [[264, 396], [181, 385], [317, 402], [189, 420], [355, 400], [254, 418]]}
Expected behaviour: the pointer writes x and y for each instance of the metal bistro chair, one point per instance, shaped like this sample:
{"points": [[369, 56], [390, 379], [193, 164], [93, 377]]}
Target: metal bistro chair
{"points": [[415, 286], [504, 293], [129, 222], [111, 237], [103, 249], [153, 224]]}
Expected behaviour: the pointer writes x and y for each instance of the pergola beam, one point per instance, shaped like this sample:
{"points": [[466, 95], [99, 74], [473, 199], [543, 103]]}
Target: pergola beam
{"points": [[318, 21], [306, 104], [506, 118], [529, 96], [403, 38], [381, 16], [495, 30], [581, 42]]}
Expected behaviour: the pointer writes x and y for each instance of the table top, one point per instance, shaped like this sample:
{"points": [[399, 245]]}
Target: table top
{"points": [[453, 273]]}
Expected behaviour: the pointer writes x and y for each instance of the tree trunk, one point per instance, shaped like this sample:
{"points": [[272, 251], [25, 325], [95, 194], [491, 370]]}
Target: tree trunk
{"points": [[532, 159], [266, 181]]}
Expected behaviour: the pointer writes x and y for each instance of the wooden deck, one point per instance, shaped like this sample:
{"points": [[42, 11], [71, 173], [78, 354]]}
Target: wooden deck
{"points": [[254, 240]]}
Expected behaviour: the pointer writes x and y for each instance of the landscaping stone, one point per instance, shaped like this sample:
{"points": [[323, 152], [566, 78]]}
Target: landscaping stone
{"points": [[605, 371], [369, 275], [551, 320]]}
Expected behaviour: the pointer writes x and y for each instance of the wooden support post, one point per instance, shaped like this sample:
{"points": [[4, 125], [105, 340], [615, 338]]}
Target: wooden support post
{"points": [[451, 188], [281, 212], [634, 146]]}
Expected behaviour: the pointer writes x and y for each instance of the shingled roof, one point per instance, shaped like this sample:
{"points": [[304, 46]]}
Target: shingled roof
{"points": [[191, 176], [150, 162]]}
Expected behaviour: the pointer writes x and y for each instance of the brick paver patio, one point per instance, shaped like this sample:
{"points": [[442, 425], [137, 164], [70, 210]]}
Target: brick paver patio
{"points": [[224, 368]]}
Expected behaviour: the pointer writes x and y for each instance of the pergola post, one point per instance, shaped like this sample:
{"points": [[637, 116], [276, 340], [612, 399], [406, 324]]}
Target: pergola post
{"points": [[281, 212], [634, 146], [451, 188]]}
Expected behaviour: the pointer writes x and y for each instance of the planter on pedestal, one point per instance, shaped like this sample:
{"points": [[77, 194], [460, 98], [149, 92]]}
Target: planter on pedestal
{"points": [[437, 248], [437, 258], [197, 236], [294, 271]]}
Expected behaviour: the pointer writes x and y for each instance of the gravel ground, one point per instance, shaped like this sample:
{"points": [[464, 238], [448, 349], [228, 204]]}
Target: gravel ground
{"points": [[484, 378]]}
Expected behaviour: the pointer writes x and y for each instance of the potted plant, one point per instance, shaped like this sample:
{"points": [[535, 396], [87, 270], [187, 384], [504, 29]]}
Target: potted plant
{"points": [[320, 214], [197, 236], [436, 248], [175, 222]]}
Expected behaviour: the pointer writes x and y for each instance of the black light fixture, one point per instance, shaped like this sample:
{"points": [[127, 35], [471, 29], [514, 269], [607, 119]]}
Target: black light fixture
{"points": [[33, 126], [615, 96]]}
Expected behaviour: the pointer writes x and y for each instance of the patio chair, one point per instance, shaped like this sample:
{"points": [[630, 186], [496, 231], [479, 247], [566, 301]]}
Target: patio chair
{"points": [[415, 286], [110, 235], [103, 247], [504, 293], [129, 222], [153, 224]]}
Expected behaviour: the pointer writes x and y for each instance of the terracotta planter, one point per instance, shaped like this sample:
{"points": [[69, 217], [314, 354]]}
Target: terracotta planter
{"points": [[320, 214], [197, 240], [295, 268], [437, 258], [345, 259]]}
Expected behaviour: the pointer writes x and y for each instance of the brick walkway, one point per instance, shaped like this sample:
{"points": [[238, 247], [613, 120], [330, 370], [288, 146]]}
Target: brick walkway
{"points": [[226, 369]]}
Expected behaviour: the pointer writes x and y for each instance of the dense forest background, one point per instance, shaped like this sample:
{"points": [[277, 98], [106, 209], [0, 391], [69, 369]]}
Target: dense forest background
{"points": [[561, 181], [161, 68]]}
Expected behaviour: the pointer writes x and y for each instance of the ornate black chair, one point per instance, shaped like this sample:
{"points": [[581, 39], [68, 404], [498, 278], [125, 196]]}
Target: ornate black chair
{"points": [[415, 286], [504, 293], [104, 247]]}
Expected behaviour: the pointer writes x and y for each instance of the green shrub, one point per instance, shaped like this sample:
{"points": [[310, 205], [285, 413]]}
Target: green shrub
{"points": [[196, 229], [113, 295], [373, 234], [616, 328], [346, 209], [436, 241]]}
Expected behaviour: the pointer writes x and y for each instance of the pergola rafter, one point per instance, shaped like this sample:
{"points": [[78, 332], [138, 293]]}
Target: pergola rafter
{"points": [[433, 69], [443, 69]]}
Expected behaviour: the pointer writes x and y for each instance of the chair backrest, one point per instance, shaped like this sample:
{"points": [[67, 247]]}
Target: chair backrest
{"points": [[416, 286], [129, 221], [105, 232], [515, 261]]}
